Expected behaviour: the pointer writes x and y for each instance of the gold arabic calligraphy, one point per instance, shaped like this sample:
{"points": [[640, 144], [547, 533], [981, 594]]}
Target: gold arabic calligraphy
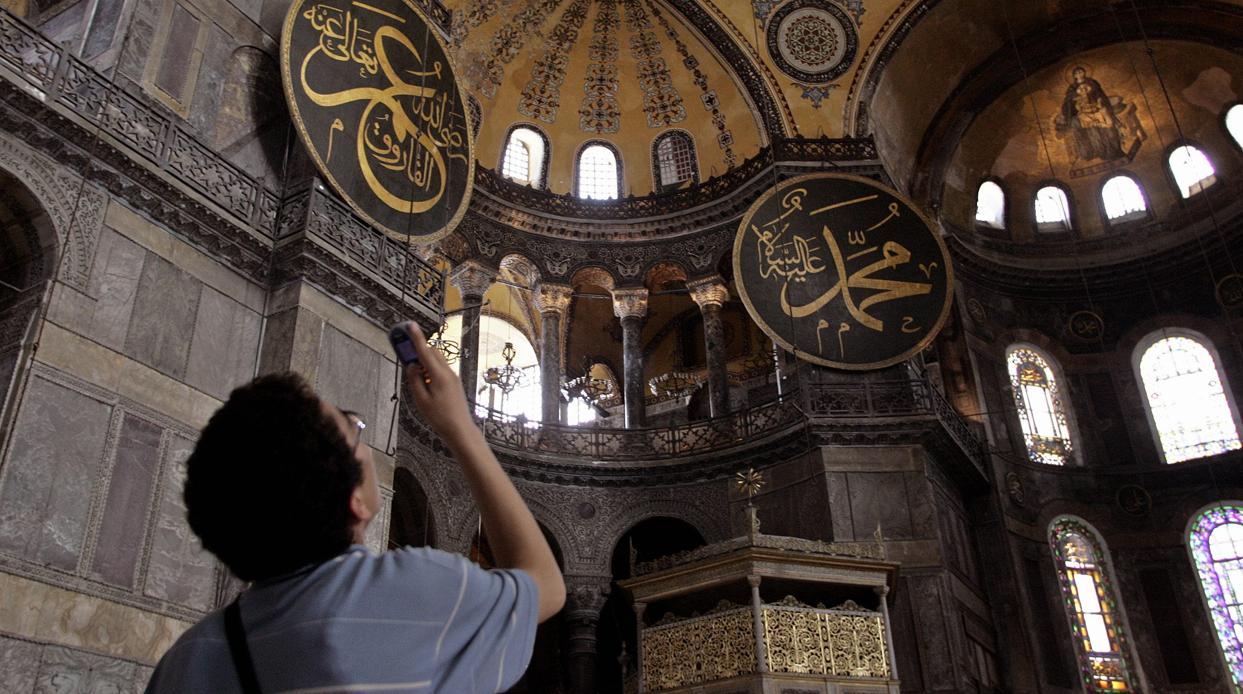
{"points": [[405, 128], [790, 258]]}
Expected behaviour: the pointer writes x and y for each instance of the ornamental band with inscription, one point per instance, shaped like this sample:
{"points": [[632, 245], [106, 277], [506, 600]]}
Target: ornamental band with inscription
{"points": [[842, 271], [373, 96]]}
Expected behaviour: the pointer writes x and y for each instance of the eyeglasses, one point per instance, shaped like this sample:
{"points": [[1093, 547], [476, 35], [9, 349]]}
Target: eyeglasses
{"points": [[358, 423]]}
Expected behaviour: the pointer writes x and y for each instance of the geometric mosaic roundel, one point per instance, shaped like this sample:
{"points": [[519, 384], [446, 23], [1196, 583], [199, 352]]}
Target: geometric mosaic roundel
{"points": [[812, 41]]}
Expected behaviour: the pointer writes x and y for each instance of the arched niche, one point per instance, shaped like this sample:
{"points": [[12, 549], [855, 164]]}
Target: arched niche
{"points": [[412, 523]]}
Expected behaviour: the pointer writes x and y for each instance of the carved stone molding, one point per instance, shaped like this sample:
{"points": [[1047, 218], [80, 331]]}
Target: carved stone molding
{"points": [[630, 303], [708, 291], [553, 298], [472, 278]]}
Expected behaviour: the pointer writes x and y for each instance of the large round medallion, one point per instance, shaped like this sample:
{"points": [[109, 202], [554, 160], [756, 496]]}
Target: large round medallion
{"points": [[372, 92], [812, 41], [842, 271]]}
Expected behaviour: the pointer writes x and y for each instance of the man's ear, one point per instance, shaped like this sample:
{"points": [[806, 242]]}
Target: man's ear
{"points": [[358, 506]]}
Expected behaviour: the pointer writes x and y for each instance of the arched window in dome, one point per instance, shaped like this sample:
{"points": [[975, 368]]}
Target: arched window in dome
{"points": [[990, 205], [1215, 540], [1123, 199], [1187, 403], [599, 175], [1052, 209], [1191, 169], [1234, 124], [673, 160], [1091, 605], [525, 157], [1042, 413]]}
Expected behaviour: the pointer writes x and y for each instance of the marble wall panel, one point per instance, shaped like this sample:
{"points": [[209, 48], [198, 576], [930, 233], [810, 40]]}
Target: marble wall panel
{"points": [[53, 465], [113, 284], [163, 319], [19, 664], [122, 530], [70, 671], [347, 376], [225, 345], [879, 499], [179, 570], [929, 612], [923, 513]]}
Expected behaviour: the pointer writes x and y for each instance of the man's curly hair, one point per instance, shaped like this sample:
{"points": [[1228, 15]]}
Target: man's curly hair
{"points": [[268, 485]]}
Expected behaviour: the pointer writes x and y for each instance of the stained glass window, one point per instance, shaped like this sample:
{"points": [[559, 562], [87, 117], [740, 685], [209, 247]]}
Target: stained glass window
{"points": [[1216, 544], [1052, 209], [1088, 595], [597, 173], [990, 205], [1187, 399], [1123, 199], [1192, 170], [1234, 123], [675, 159], [1039, 403]]}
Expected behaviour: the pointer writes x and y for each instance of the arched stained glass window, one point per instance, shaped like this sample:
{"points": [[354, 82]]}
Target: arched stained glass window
{"points": [[1215, 540], [1052, 209], [1091, 605], [523, 161], [675, 160], [990, 205], [598, 173], [1124, 201], [1192, 170], [1042, 413], [1187, 399], [1234, 124]]}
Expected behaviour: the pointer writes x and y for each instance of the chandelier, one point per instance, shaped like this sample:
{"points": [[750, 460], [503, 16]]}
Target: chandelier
{"points": [[507, 377], [674, 384], [450, 349], [591, 389]]}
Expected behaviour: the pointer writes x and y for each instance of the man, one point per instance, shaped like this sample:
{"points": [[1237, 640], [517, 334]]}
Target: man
{"points": [[281, 489]]}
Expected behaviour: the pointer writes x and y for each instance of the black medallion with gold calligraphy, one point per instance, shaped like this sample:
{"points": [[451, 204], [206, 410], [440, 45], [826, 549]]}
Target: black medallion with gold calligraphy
{"points": [[373, 96], [842, 271]]}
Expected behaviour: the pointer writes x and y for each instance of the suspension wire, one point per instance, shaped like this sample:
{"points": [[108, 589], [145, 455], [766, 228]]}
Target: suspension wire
{"points": [[8, 427]]}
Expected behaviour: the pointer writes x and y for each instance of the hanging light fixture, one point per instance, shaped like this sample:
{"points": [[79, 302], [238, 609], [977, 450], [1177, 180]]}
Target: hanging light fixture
{"points": [[507, 377], [589, 388], [451, 350], [675, 384]]}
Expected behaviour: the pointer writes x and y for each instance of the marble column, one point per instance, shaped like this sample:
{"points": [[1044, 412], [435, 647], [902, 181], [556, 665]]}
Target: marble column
{"points": [[551, 300], [584, 600], [757, 624], [472, 280], [710, 294], [639, 608], [630, 306], [883, 592]]}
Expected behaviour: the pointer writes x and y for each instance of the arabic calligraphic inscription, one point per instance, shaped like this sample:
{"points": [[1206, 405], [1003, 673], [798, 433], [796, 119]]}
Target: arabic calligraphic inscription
{"points": [[842, 271], [373, 96]]}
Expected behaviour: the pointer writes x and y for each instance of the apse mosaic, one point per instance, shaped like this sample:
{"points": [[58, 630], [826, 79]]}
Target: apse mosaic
{"points": [[1099, 129]]}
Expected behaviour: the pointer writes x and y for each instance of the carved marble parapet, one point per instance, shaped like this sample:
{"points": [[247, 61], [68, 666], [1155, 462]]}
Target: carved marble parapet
{"points": [[630, 303], [708, 291], [553, 298], [472, 278]]}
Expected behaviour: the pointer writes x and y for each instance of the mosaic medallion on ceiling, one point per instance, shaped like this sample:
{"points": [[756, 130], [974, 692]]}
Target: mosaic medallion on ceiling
{"points": [[812, 41], [601, 112]]}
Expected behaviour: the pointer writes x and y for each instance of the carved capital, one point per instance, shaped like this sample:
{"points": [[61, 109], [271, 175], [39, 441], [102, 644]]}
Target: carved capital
{"points": [[585, 596], [708, 291], [472, 278], [753, 581], [553, 298], [630, 303]]}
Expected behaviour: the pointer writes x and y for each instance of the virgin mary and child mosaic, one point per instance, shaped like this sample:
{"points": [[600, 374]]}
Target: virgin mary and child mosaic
{"points": [[1101, 130]]}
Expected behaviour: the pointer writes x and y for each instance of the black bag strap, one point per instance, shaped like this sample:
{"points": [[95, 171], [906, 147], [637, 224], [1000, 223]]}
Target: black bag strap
{"points": [[236, 634]]}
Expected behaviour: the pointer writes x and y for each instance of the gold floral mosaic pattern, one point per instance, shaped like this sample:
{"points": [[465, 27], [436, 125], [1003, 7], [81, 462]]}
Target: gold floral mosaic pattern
{"points": [[825, 642], [541, 97], [705, 649], [601, 112], [508, 41], [661, 102]]}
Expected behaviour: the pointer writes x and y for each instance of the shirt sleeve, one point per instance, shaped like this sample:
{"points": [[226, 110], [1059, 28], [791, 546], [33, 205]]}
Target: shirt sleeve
{"points": [[489, 631]]}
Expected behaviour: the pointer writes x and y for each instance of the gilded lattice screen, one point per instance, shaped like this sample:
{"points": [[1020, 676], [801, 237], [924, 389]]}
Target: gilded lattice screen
{"points": [[704, 649], [837, 643]]}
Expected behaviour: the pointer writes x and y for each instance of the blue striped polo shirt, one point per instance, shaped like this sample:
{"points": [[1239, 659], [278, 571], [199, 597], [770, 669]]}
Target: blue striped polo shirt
{"points": [[409, 620]]}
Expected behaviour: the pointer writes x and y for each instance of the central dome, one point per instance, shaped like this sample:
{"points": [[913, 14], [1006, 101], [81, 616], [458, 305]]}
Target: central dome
{"points": [[621, 72]]}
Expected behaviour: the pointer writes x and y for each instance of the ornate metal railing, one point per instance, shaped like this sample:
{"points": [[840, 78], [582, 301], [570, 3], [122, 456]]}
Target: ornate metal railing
{"points": [[847, 641], [882, 399], [599, 443], [59, 78], [789, 150], [322, 216], [856, 550]]}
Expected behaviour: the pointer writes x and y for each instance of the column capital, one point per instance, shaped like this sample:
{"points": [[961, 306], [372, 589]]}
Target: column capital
{"points": [[630, 303], [708, 291], [472, 278], [585, 596], [553, 298], [753, 581]]}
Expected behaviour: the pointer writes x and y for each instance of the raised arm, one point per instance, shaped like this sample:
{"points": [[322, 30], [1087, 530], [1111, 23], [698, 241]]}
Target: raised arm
{"points": [[513, 534]]}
